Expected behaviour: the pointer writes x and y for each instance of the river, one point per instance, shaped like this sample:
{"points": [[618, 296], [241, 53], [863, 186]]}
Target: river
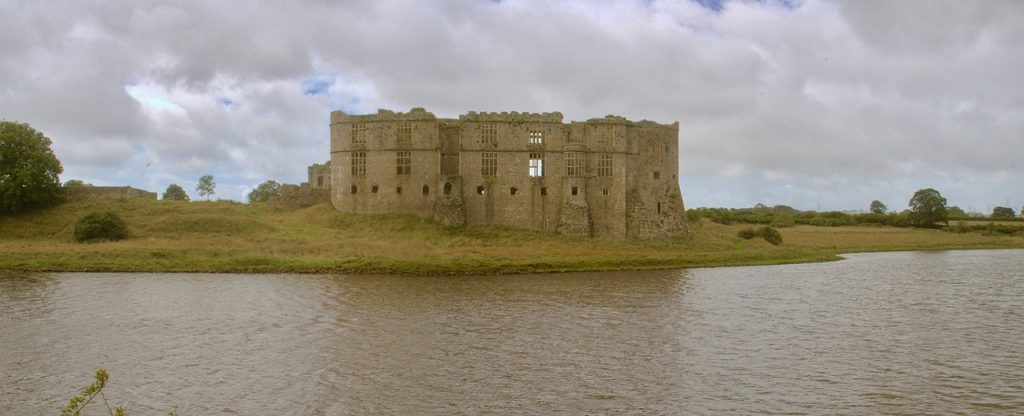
{"points": [[883, 333]]}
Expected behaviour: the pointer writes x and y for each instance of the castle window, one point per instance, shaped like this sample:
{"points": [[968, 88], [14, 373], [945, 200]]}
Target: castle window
{"points": [[320, 181], [657, 175], [543, 191], [489, 135], [426, 189], [359, 133], [604, 165], [573, 164], [536, 137], [536, 165], [575, 190], [480, 190], [604, 134], [358, 163], [604, 191], [354, 189], [489, 164], [447, 188], [404, 162], [659, 207], [404, 133], [512, 191], [375, 189]]}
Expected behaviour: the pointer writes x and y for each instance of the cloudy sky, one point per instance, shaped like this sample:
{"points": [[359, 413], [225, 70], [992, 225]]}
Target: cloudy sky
{"points": [[814, 104]]}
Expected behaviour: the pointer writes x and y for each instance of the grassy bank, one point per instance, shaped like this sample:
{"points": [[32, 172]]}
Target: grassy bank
{"points": [[170, 236]]}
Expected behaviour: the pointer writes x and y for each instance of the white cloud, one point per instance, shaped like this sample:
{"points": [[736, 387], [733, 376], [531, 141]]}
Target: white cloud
{"points": [[823, 102]]}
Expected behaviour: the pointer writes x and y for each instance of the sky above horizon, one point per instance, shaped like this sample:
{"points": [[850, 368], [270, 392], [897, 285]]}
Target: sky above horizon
{"points": [[823, 105]]}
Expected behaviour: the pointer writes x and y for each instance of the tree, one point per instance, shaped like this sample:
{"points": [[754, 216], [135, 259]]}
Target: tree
{"points": [[956, 212], [206, 186], [877, 207], [175, 193], [76, 182], [29, 171], [1002, 212], [264, 191], [927, 207]]}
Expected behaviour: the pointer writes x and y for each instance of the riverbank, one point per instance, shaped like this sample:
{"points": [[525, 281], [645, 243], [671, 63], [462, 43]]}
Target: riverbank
{"points": [[170, 236]]}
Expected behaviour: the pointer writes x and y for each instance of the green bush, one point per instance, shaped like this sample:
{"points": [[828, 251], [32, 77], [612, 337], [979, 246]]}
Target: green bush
{"points": [[100, 226], [747, 233], [771, 235]]}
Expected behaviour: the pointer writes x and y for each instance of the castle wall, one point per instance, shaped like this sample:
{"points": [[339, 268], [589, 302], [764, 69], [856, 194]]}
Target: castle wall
{"points": [[606, 177]]}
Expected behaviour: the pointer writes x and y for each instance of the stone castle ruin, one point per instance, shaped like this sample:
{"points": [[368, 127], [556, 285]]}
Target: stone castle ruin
{"points": [[605, 177]]}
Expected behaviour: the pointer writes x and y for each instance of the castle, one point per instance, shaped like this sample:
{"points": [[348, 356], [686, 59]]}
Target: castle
{"points": [[605, 177]]}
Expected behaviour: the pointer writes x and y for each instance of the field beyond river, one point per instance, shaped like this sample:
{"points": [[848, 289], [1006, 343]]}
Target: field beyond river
{"points": [[173, 236]]}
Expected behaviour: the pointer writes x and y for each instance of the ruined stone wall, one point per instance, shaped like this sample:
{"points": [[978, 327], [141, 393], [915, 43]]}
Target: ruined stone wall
{"points": [[606, 177], [106, 192], [320, 175]]}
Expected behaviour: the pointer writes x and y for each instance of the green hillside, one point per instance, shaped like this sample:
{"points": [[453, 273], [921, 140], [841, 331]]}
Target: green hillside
{"points": [[231, 237]]}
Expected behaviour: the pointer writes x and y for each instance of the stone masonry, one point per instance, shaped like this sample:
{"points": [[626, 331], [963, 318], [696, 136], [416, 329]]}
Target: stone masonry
{"points": [[605, 177]]}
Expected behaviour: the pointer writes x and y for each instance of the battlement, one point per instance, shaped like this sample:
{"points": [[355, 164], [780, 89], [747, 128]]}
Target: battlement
{"points": [[383, 115], [513, 116]]}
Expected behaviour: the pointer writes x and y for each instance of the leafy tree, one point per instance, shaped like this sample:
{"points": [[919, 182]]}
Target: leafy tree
{"points": [[206, 186], [29, 171], [877, 207], [264, 191], [76, 182], [1002, 212], [956, 212], [927, 207], [87, 394], [175, 193]]}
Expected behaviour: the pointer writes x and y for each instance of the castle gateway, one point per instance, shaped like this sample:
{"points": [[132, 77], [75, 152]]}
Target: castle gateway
{"points": [[605, 177]]}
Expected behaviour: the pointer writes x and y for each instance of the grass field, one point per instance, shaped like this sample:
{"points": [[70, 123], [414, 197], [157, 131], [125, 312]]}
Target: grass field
{"points": [[169, 236]]}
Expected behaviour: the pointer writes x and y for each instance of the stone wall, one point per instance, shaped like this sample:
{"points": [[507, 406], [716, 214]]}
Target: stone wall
{"points": [[299, 196], [605, 177], [106, 192]]}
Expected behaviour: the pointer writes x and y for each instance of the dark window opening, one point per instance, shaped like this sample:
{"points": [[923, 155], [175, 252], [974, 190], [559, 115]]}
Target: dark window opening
{"points": [[543, 191], [447, 188], [657, 175], [659, 207], [575, 190], [480, 190], [320, 181], [604, 191], [426, 189], [513, 190], [398, 190], [375, 189], [354, 189]]}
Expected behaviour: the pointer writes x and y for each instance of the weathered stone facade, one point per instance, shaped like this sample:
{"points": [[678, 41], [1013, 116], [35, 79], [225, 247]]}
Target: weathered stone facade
{"points": [[605, 177]]}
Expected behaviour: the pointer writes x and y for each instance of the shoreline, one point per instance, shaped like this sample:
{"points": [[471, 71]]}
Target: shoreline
{"points": [[225, 237]]}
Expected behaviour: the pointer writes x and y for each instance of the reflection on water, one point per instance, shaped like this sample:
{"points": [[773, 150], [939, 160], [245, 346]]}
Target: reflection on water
{"points": [[877, 333]]}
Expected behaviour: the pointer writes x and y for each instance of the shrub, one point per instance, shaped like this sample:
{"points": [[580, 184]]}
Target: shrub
{"points": [[100, 226], [771, 235], [747, 233]]}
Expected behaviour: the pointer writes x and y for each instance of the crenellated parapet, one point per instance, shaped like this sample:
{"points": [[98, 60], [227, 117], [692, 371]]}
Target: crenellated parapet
{"points": [[383, 115], [513, 116]]}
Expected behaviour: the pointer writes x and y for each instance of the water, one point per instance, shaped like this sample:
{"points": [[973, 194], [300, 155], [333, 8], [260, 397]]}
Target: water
{"points": [[890, 333]]}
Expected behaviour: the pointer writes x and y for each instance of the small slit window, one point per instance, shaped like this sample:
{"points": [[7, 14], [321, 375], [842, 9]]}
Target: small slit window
{"points": [[512, 190], [657, 175], [354, 189], [543, 191], [398, 190], [480, 190], [604, 191], [447, 188], [374, 189], [426, 189], [575, 190]]}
